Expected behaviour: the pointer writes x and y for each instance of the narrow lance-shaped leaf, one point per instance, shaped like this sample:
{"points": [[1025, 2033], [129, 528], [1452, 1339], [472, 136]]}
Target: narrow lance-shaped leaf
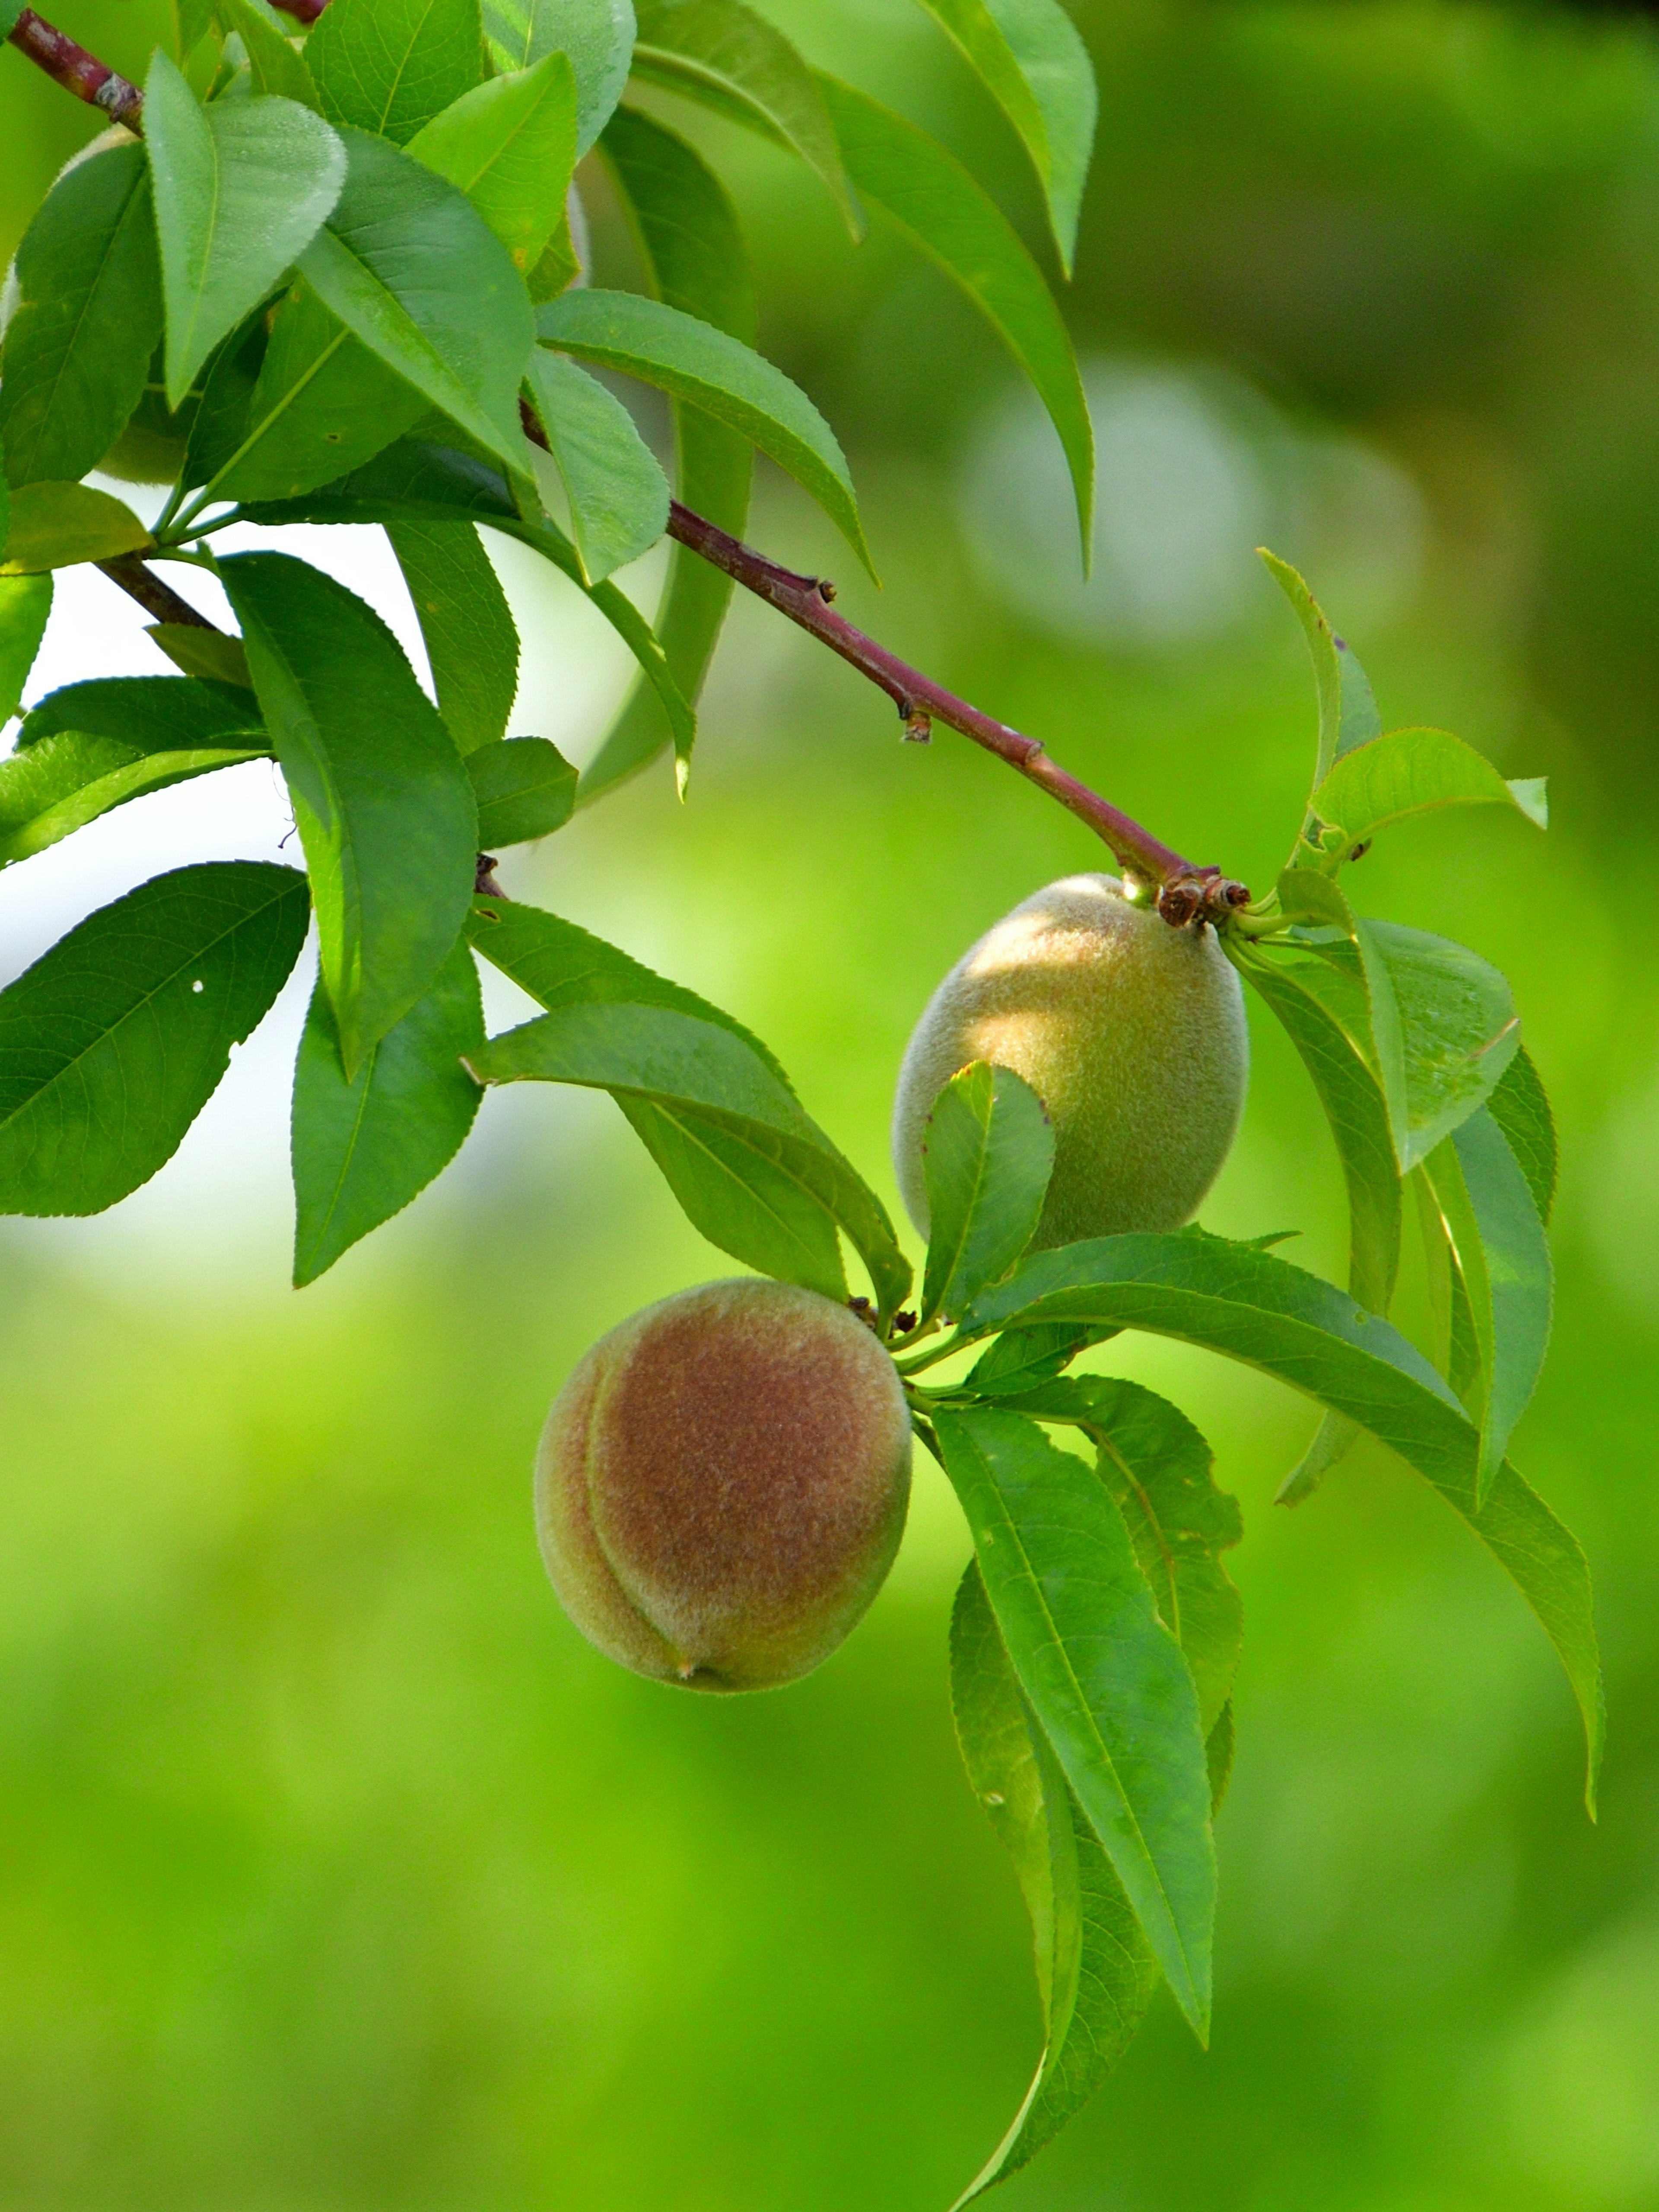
{"points": [[687, 231], [274, 62], [60, 784], [988, 1154], [364, 1148], [1405, 772], [1497, 1240], [382, 798], [723, 54], [1457, 1031], [510, 146], [1033, 61], [113, 1042], [25, 607], [617, 494], [471, 640], [1256, 1309], [241, 189], [389, 66], [153, 714], [1105, 1678], [58, 525], [411, 267], [219, 422], [1095, 1973], [1521, 1111], [88, 318], [695, 362], [598, 35], [1347, 710]]}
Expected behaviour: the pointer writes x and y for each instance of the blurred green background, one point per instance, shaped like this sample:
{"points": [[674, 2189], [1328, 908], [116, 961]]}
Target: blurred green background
{"points": [[336, 1871]]}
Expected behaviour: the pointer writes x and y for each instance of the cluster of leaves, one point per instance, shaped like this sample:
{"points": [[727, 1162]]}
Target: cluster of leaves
{"points": [[338, 280], [1096, 1633]]}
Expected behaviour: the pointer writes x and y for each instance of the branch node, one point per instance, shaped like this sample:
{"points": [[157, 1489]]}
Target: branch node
{"points": [[825, 588], [918, 723]]}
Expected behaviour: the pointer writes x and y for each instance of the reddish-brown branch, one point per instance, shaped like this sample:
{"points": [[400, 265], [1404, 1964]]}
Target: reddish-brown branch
{"points": [[78, 70], [159, 600]]}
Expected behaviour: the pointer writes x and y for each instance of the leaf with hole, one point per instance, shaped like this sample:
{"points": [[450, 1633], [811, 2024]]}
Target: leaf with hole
{"points": [[88, 318], [1032, 60], [617, 494], [113, 1042], [241, 189], [694, 362], [380, 796], [1095, 1973], [363, 1147], [1103, 1676]]}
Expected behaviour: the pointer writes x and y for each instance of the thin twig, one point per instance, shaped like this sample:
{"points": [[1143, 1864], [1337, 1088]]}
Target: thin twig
{"points": [[77, 70], [159, 600]]}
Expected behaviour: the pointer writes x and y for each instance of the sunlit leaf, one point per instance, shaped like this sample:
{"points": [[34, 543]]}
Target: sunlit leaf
{"points": [[598, 35], [66, 781], [510, 146], [380, 796], [1103, 1676], [471, 642], [1457, 1031], [241, 189], [1347, 710], [364, 1148], [1408, 772], [987, 1152], [57, 526], [113, 1042], [1521, 1111], [88, 318], [25, 605]]}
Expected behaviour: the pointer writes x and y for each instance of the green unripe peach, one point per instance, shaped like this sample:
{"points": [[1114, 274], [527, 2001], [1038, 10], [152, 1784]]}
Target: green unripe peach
{"points": [[1132, 1034], [722, 1484]]}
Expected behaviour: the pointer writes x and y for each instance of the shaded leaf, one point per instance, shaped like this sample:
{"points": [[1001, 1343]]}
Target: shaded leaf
{"points": [[618, 495], [695, 362], [1095, 1973], [938, 205], [988, 1153], [276, 64], [687, 232], [598, 35], [525, 787], [57, 526], [219, 421], [207, 654], [240, 190], [1105, 1678], [380, 796], [113, 1042], [510, 146], [1521, 1111], [721, 52], [411, 268], [88, 318], [471, 639], [65, 782], [389, 66], [1261, 1310], [362, 1149], [1347, 710], [1031, 57], [1021, 1358], [25, 605]]}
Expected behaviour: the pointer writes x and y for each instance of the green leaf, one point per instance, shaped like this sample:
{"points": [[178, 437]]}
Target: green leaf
{"points": [[471, 639], [389, 66], [1497, 1238], [218, 423], [207, 653], [1457, 1027], [1348, 710], [1521, 1111], [722, 53], [618, 494], [1261, 1311], [25, 605], [988, 1153], [240, 189], [510, 145], [749, 1167], [88, 318], [1104, 1677], [322, 405], [63, 783], [1021, 1358], [56, 525], [687, 232], [411, 267], [276, 64], [364, 1148], [152, 713], [1162, 1474], [1036, 66], [1408, 772], [113, 1042], [694, 362], [525, 787], [380, 796], [1095, 1971], [939, 208], [598, 35]]}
